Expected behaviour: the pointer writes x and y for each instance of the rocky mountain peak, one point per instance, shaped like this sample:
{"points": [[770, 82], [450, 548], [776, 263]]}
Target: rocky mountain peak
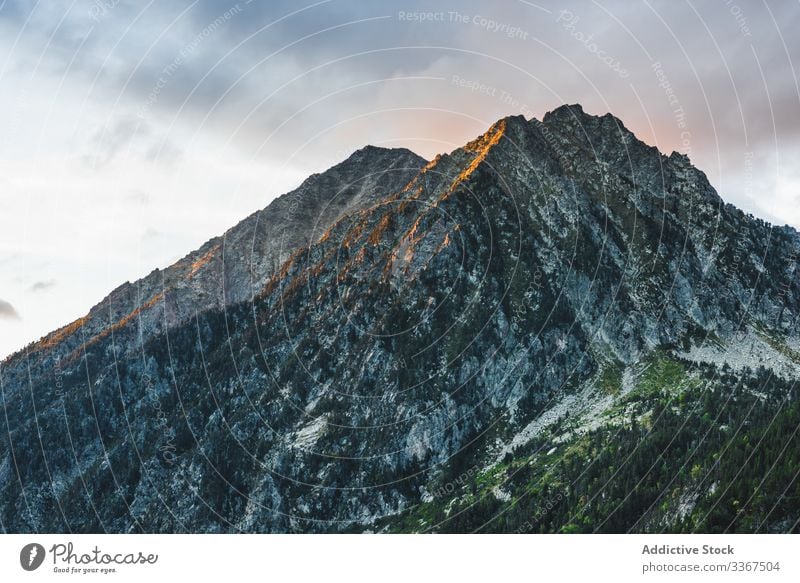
{"points": [[526, 322]]}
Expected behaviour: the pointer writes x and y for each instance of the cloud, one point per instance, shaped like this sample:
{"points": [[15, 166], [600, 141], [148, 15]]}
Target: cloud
{"points": [[223, 57], [163, 152], [129, 135], [7, 311], [150, 234], [42, 285], [110, 140]]}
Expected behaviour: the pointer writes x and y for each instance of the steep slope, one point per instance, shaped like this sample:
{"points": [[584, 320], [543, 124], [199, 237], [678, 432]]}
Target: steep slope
{"points": [[231, 268], [554, 286]]}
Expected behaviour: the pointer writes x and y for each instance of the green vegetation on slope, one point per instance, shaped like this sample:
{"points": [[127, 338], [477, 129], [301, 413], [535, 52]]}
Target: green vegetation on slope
{"points": [[675, 465]]}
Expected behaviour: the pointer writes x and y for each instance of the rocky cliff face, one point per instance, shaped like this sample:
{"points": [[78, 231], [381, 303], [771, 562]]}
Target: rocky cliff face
{"points": [[553, 328]]}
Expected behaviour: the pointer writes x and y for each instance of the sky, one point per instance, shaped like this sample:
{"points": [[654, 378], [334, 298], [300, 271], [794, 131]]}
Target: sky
{"points": [[132, 132]]}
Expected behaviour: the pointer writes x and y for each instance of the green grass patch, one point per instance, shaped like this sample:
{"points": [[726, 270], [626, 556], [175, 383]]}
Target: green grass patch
{"points": [[610, 381]]}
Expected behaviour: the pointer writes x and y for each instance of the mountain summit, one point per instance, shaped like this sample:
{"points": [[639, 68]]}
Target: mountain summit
{"points": [[554, 328]]}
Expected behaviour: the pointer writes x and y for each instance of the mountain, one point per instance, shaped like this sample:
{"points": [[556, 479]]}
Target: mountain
{"points": [[554, 328]]}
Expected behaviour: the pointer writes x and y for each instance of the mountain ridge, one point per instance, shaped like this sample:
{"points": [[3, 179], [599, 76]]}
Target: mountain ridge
{"points": [[573, 113]]}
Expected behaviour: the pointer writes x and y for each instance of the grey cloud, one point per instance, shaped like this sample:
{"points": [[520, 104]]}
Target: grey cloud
{"points": [[110, 140], [134, 135], [192, 71], [151, 234], [42, 285], [163, 151], [7, 311]]}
